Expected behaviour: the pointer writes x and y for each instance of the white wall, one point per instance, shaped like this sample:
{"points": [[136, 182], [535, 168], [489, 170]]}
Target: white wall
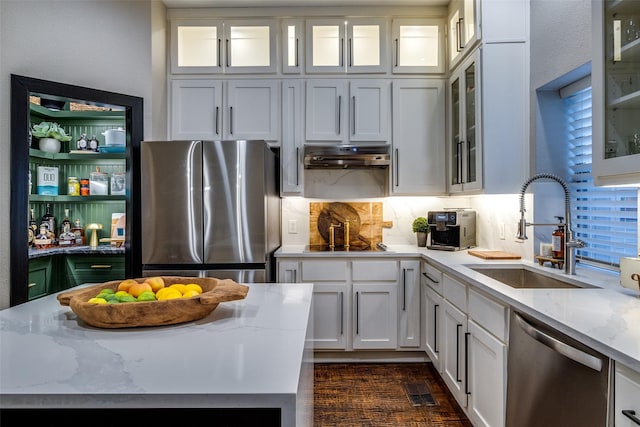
{"points": [[99, 44]]}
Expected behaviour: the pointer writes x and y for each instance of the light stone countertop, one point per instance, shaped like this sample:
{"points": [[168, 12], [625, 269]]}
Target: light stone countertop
{"points": [[606, 317], [247, 353]]}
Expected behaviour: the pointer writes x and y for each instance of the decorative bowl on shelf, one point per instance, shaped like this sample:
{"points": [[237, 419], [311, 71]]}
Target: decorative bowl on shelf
{"points": [[49, 145], [152, 313]]}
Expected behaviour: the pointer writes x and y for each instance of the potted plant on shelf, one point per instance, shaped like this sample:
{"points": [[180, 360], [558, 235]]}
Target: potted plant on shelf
{"points": [[50, 134], [421, 228]]}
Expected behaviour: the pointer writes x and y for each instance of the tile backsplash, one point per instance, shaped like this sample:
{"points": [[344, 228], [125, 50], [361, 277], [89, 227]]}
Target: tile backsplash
{"points": [[494, 213]]}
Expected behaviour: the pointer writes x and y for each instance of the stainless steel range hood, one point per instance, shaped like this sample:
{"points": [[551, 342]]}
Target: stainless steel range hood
{"points": [[346, 156]]}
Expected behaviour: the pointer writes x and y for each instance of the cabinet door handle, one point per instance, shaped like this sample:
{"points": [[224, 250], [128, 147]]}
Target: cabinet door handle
{"points": [[217, 118], [231, 120], [404, 289], [397, 168], [342, 52], [341, 313], [468, 160], [396, 52], [458, 328], [100, 266], [466, 362], [339, 114], [226, 52], [631, 414], [353, 115], [297, 62], [357, 313], [460, 163], [297, 166], [31, 285], [430, 278], [435, 328], [219, 52], [460, 28]]}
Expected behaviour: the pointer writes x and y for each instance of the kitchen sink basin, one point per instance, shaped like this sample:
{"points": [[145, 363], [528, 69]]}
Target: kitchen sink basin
{"points": [[522, 277]]}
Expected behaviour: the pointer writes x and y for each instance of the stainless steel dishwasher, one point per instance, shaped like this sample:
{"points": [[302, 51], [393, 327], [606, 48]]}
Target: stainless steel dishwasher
{"points": [[553, 380]]}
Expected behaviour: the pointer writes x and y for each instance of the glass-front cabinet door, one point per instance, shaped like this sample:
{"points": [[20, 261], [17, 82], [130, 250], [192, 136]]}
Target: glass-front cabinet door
{"points": [[418, 45], [465, 152], [325, 46], [216, 46], [616, 92], [463, 28], [292, 37]]}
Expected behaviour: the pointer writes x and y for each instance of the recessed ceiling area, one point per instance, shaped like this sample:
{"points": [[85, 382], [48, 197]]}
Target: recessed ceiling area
{"points": [[176, 4]]}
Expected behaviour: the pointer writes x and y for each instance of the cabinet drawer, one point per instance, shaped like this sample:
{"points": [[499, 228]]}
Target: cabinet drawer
{"points": [[324, 271], [375, 271], [93, 269], [455, 292], [489, 314], [432, 277], [627, 390]]}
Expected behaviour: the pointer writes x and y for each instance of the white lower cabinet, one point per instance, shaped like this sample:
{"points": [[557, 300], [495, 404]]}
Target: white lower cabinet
{"points": [[330, 325], [375, 316], [360, 304], [433, 326], [453, 359], [627, 390], [409, 304], [474, 352]]}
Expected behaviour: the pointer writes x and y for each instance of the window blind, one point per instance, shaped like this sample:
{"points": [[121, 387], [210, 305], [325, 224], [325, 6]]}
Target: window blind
{"points": [[606, 218]]}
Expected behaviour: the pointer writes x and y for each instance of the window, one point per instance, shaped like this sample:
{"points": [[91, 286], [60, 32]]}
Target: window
{"points": [[605, 218]]}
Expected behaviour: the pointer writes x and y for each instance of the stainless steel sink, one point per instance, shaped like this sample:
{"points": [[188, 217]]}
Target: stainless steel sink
{"points": [[519, 276]]}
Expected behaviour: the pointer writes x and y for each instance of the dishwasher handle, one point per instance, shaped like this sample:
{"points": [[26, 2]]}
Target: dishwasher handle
{"points": [[559, 346]]}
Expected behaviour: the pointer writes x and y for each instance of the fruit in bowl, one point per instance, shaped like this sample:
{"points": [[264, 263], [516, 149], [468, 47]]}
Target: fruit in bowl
{"points": [[180, 299]]}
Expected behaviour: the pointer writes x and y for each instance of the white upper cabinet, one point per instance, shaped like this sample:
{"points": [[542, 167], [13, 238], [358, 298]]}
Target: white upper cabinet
{"points": [[235, 109], [216, 46], [352, 45], [616, 93], [418, 137], [292, 46], [464, 28], [344, 111], [418, 45]]}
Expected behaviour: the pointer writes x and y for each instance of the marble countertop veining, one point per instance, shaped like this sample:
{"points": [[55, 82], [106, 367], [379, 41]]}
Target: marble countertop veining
{"points": [[606, 317], [245, 353], [76, 250]]}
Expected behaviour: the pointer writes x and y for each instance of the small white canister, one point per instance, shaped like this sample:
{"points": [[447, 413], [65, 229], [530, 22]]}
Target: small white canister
{"points": [[114, 137]]}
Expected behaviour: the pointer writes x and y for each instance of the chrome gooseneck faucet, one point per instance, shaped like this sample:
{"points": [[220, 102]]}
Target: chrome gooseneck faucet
{"points": [[570, 244]]}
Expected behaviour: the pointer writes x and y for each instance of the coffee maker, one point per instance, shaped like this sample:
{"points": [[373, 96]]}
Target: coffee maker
{"points": [[452, 230]]}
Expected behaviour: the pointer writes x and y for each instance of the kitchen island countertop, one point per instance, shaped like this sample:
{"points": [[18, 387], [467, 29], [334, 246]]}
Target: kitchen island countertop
{"points": [[245, 354]]}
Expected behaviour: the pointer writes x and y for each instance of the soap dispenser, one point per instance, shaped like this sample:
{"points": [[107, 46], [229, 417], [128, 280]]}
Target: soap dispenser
{"points": [[557, 239]]}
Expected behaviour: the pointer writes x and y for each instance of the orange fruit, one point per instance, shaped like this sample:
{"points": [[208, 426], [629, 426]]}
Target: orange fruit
{"points": [[156, 283], [138, 288], [126, 284]]}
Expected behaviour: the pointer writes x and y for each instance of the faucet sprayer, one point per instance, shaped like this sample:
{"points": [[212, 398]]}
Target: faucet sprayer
{"points": [[570, 243]]}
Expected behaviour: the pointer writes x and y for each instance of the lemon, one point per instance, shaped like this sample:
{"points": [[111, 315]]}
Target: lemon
{"points": [[97, 301], [162, 291], [190, 293], [179, 287], [193, 287], [147, 296], [120, 294], [170, 294]]}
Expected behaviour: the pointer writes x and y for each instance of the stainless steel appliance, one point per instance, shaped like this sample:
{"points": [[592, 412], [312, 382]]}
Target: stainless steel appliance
{"points": [[553, 380], [346, 156], [210, 208], [452, 230]]}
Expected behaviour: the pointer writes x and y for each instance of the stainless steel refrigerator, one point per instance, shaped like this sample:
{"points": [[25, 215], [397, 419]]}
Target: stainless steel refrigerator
{"points": [[210, 209]]}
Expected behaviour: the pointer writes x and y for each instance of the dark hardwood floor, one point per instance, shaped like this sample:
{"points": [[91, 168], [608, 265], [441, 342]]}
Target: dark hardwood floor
{"points": [[383, 394]]}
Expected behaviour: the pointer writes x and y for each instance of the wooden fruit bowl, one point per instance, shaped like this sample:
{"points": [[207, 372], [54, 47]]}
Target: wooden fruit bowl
{"points": [[152, 313]]}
